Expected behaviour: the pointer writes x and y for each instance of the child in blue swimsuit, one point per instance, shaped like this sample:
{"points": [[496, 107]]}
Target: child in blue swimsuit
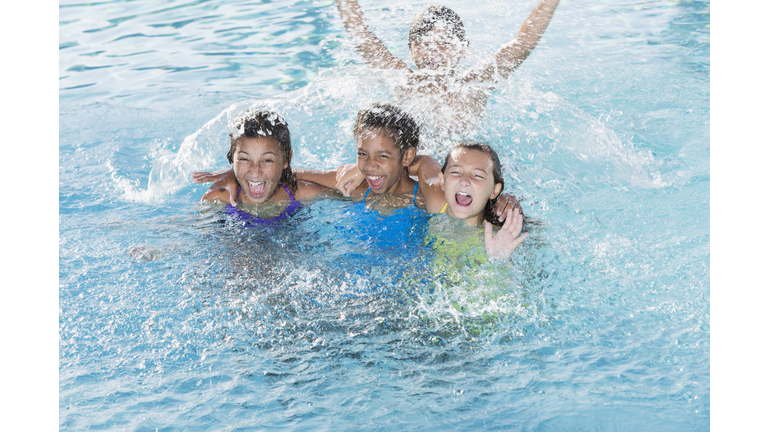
{"points": [[267, 188]]}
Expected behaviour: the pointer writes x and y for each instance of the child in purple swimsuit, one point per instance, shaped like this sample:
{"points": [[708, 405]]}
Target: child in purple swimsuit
{"points": [[260, 154]]}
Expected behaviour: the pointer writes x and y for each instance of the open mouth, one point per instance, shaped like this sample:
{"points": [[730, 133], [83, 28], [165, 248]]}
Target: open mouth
{"points": [[463, 199], [376, 182], [256, 189]]}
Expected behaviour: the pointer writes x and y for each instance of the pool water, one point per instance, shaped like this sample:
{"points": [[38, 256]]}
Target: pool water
{"points": [[173, 316]]}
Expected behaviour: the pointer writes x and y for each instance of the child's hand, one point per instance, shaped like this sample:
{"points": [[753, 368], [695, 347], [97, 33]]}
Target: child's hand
{"points": [[207, 177], [507, 239], [222, 180], [504, 203], [348, 178]]}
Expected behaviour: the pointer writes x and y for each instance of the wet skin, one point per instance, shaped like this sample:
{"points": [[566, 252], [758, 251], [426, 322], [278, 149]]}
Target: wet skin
{"points": [[437, 50], [383, 163], [468, 184], [258, 165]]}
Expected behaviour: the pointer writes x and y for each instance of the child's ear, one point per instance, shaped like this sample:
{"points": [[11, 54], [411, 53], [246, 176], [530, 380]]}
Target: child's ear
{"points": [[496, 191], [441, 181], [408, 156]]}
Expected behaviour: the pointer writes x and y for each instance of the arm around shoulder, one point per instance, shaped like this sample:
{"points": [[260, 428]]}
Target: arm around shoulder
{"points": [[427, 169], [306, 190]]}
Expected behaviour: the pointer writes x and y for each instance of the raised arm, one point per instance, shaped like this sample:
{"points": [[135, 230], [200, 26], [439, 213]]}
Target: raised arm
{"points": [[370, 47], [512, 54]]}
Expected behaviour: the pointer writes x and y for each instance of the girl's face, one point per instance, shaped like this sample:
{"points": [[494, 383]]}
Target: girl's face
{"points": [[437, 50], [380, 160], [258, 165], [468, 184]]}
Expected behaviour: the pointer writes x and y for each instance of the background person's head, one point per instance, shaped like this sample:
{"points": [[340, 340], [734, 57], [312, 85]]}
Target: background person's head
{"points": [[437, 39], [260, 151], [386, 139], [471, 178]]}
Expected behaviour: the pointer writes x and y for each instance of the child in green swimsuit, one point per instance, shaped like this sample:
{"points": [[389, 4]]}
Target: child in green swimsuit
{"points": [[471, 180]]}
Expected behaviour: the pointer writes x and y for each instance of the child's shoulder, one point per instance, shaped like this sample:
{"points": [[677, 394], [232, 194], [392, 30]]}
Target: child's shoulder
{"points": [[359, 193], [216, 195], [305, 189]]}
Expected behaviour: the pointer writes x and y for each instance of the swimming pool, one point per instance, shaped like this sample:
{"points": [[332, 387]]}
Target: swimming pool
{"points": [[168, 322]]}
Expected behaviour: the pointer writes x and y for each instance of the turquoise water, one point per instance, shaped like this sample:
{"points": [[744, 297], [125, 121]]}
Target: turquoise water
{"points": [[172, 317]]}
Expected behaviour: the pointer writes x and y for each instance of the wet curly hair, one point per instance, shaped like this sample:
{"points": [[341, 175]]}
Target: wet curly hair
{"points": [[426, 20], [265, 123], [400, 126]]}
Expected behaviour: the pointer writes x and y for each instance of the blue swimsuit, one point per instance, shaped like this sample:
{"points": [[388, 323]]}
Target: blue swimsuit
{"points": [[415, 189], [380, 245], [374, 231], [249, 219]]}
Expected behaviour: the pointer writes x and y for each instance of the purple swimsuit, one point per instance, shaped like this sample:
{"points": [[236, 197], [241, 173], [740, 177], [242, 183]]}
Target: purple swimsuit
{"points": [[250, 219]]}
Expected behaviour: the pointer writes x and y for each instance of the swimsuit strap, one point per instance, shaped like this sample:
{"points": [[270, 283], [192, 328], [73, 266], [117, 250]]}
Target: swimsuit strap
{"points": [[366, 194], [288, 191], [444, 207], [287, 212]]}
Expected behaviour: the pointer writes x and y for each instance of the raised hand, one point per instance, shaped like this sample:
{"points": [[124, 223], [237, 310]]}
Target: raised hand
{"points": [[501, 245]]}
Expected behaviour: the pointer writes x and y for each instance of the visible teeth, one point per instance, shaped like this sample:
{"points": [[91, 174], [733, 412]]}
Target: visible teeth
{"points": [[374, 177], [463, 193], [255, 183]]}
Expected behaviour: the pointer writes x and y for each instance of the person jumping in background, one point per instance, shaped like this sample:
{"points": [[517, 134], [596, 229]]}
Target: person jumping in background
{"points": [[438, 94]]}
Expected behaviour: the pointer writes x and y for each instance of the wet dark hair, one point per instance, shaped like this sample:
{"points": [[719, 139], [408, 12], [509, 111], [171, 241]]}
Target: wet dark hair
{"points": [[270, 124], [488, 214], [426, 20], [402, 128]]}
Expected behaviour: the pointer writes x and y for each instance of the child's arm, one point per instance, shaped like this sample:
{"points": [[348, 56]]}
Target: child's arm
{"points": [[224, 185], [512, 54], [426, 169], [501, 245], [370, 47], [324, 178], [224, 182]]}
